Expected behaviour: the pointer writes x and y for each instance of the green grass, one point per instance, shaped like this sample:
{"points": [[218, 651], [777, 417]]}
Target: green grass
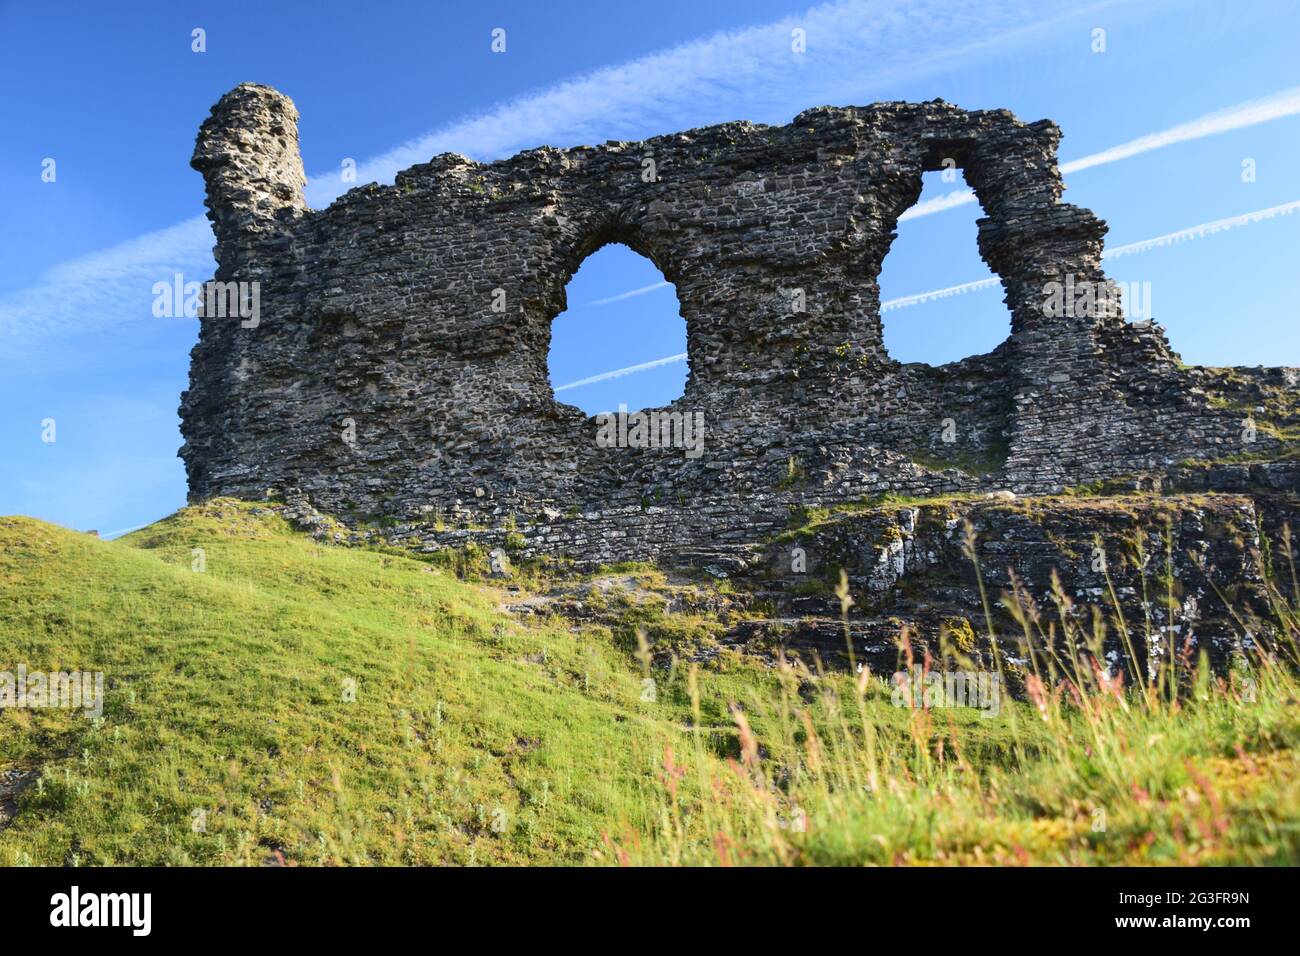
{"points": [[227, 694], [304, 703]]}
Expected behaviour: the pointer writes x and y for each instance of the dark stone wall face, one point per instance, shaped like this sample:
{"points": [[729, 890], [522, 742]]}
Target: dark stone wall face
{"points": [[914, 566], [398, 364]]}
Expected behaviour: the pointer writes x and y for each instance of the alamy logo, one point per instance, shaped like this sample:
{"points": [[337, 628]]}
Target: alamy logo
{"points": [[103, 909], [68, 691], [929, 689], [1084, 298], [208, 300], [653, 429]]}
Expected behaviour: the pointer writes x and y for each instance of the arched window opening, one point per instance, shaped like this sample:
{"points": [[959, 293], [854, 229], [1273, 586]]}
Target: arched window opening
{"points": [[622, 339], [939, 301]]}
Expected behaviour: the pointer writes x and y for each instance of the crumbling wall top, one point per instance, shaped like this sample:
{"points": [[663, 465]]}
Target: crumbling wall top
{"points": [[247, 151]]}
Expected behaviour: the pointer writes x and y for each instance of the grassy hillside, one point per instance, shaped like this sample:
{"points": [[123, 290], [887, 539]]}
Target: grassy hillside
{"points": [[270, 699]]}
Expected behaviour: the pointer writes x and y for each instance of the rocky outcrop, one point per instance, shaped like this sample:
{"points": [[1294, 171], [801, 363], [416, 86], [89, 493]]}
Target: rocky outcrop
{"points": [[1178, 574]]}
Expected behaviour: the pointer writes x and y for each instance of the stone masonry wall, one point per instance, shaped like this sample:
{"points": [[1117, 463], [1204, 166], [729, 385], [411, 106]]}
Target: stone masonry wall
{"points": [[397, 369]]}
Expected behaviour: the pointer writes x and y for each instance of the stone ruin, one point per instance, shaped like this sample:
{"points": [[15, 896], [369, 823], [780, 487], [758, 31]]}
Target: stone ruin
{"points": [[397, 370]]}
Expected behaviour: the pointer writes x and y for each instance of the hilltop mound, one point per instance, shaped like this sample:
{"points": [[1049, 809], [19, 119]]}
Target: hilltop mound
{"points": [[269, 698]]}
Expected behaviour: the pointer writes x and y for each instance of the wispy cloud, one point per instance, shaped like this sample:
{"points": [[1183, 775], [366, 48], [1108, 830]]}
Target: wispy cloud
{"points": [[854, 49], [105, 287], [1251, 113], [856, 52]]}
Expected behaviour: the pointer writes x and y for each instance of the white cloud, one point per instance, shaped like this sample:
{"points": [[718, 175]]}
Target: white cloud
{"points": [[109, 286], [854, 49]]}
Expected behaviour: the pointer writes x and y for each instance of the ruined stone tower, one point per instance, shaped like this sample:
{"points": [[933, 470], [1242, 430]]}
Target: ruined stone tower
{"points": [[397, 369]]}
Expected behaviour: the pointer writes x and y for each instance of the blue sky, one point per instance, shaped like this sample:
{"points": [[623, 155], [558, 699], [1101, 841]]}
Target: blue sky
{"points": [[114, 95]]}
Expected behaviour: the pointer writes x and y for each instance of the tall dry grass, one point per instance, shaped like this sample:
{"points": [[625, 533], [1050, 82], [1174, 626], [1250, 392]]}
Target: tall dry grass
{"points": [[1154, 758]]}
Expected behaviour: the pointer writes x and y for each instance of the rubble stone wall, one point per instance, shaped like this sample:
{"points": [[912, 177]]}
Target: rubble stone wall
{"points": [[397, 370]]}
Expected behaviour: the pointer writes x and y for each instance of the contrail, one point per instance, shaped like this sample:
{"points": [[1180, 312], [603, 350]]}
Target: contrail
{"points": [[1204, 229], [1251, 113], [110, 535], [928, 207], [1168, 239], [620, 372], [627, 295], [905, 301]]}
